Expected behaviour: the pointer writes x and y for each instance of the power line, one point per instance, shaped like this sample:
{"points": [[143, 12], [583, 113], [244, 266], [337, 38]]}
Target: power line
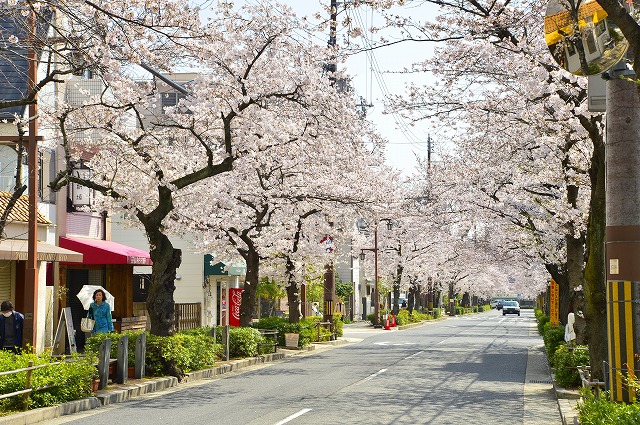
{"points": [[376, 71]]}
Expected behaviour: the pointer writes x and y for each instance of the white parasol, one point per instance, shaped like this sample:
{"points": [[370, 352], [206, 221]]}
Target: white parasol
{"points": [[86, 296]]}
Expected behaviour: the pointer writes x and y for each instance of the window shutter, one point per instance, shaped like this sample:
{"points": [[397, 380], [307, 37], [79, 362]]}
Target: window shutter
{"points": [[5, 280]]}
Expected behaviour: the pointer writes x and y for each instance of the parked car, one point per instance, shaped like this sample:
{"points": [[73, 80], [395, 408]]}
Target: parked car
{"points": [[510, 307], [499, 304]]}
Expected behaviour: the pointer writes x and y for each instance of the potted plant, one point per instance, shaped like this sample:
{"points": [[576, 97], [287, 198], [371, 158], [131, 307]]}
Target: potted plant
{"points": [[95, 381], [291, 340]]}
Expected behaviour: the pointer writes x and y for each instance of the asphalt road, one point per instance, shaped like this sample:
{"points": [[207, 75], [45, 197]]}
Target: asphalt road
{"points": [[481, 368]]}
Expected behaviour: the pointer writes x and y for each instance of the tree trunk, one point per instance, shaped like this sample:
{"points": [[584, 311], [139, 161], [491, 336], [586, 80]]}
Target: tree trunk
{"points": [[293, 295], [396, 290], [293, 298], [413, 293], [575, 264], [252, 259], [466, 300], [160, 303]]}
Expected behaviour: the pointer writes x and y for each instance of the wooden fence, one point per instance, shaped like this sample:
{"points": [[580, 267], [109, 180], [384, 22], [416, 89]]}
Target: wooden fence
{"points": [[187, 316], [27, 390]]}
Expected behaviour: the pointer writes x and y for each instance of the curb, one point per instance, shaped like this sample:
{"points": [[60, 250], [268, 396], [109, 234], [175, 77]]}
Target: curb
{"points": [[130, 390], [567, 400], [568, 414], [52, 412]]}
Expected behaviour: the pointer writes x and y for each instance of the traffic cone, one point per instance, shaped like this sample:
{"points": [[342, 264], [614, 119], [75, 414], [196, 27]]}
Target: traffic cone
{"points": [[393, 320], [386, 323]]}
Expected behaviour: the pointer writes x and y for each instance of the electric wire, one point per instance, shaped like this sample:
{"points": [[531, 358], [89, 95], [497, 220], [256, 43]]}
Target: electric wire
{"points": [[373, 66], [412, 139]]}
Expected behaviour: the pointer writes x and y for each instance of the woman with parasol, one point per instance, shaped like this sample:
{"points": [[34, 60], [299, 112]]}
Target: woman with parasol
{"points": [[100, 311]]}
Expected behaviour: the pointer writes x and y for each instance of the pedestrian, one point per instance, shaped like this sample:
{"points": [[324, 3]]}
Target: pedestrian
{"points": [[404, 304], [10, 328], [100, 311]]}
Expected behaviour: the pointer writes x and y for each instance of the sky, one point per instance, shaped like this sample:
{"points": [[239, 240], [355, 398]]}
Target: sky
{"points": [[375, 75]]}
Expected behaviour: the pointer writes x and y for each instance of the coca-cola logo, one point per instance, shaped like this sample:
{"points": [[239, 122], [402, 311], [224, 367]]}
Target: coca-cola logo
{"points": [[236, 300]]}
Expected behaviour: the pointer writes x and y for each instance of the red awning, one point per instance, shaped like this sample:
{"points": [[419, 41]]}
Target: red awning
{"points": [[97, 251]]}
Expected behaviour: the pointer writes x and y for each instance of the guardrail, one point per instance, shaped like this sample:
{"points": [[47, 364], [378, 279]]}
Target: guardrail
{"points": [[588, 382]]}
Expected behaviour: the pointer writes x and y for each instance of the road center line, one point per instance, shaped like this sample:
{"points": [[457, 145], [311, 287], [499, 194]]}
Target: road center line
{"points": [[413, 355], [292, 417], [374, 375]]}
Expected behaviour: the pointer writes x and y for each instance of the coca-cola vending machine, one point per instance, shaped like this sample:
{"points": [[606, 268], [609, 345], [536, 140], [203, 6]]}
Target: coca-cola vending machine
{"points": [[235, 299]]}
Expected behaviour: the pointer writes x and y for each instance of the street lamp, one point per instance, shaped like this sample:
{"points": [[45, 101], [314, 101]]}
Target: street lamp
{"points": [[376, 293]]}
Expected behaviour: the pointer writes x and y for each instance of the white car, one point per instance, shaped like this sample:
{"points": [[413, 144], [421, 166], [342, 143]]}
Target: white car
{"points": [[510, 307]]}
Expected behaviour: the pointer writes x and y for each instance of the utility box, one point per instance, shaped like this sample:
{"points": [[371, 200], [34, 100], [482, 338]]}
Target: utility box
{"points": [[597, 94]]}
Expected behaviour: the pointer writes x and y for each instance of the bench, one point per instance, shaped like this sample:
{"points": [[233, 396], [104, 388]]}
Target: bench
{"points": [[136, 323], [271, 339]]}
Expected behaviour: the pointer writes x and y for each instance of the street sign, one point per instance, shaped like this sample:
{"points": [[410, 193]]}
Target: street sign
{"points": [[554, 303]]}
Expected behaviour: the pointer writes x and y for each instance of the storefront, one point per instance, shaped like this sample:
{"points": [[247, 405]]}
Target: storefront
{"points": [[105, 263]]}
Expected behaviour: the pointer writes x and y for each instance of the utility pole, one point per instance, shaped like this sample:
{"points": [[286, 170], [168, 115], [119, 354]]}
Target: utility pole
{"points": [[329, 274], [30, 327], [623, 230]]}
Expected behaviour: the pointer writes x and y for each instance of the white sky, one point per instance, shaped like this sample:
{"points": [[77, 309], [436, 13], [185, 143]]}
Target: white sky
{"points": [[375, 77]]}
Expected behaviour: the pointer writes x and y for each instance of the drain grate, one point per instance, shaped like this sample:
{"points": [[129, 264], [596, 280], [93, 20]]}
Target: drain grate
{"points": [[533, 381]]}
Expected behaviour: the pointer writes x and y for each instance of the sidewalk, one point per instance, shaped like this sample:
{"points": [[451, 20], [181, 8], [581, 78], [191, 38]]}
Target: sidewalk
{"points": [[117, 393]]}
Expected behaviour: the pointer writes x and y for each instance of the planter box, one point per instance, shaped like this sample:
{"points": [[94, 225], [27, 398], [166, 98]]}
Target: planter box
{"points": [[291, 340]]}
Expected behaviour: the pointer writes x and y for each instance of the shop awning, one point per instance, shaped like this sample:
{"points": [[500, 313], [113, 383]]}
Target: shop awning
{"points": [[222, 269], [97, 251], [17, 250]]}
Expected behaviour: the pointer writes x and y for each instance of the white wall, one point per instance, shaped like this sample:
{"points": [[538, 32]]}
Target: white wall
{"points": [[191, 271]]}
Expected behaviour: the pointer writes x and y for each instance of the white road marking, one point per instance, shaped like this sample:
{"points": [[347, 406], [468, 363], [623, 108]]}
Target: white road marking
{"points": [[413, 355], [374, 375], [394, 343], [292, 417]]}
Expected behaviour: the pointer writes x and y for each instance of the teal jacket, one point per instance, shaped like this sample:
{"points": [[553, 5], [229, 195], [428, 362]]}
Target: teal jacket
{"points": [[102, 315]]}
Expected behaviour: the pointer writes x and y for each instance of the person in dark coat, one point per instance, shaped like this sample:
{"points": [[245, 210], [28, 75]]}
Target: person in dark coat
{"points": [[10, 328]]}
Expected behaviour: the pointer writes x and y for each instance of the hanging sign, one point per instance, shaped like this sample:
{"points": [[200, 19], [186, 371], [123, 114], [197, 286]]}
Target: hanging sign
{"points": [[235, 300], [81, 194]]}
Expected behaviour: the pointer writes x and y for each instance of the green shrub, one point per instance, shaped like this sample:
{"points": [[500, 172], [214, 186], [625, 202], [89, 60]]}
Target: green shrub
{"points": [[437, 313], [543, 319], [553, 337], [243, 341], [306, 328], [403, 318], [565, 362], [180, 353], [70, 380], [594, 410], [338, 324]]}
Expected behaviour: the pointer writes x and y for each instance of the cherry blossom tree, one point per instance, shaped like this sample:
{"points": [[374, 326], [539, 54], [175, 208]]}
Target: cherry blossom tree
{"points": [[281, 202], [530, 156], [257, 88]]}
